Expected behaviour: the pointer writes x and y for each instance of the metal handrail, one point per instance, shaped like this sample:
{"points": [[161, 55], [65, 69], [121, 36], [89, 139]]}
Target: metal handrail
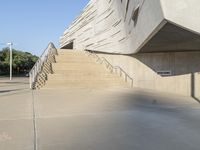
{"points": [[111, 67], [51, 49]]}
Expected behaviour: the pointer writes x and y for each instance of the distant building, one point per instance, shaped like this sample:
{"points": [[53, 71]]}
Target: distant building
{"points": [[157, 42]]}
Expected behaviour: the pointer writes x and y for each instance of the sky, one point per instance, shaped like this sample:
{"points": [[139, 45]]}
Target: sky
{"points": [[32, 24]]}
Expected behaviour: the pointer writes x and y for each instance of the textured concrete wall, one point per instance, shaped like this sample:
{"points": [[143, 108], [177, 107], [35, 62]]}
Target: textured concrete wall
{"points": [[126, 26], [185, 68], [107, 25]]}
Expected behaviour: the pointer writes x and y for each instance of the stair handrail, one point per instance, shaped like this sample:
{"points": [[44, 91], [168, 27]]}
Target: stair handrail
{"points": [[51, 49], [111, 67]]}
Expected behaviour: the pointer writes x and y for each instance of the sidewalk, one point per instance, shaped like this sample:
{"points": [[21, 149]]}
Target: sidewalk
{"points": [[112, 119], [115, 120], [17, 85]]}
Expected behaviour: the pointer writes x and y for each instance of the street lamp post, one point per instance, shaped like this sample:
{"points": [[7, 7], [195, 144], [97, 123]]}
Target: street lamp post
{"points": [[10, 46]]}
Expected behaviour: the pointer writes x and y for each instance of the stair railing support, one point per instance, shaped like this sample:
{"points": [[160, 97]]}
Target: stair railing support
{"points": [[102, 60], [46, 56]]}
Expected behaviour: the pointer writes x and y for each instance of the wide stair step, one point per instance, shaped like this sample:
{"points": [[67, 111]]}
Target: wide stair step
{"points": [[81, 76], [74, 69]]}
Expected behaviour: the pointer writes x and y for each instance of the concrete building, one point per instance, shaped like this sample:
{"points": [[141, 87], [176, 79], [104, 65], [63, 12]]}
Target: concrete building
{"points": [[157, 42]]}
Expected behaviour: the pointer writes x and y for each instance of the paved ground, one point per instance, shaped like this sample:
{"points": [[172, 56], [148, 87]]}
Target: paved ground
{"points": [[16, 117], [17, 85], [98, 120]]}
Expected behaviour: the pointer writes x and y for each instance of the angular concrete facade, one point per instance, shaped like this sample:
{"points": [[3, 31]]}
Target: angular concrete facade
{"points": [[146, 38], [128, 26]]}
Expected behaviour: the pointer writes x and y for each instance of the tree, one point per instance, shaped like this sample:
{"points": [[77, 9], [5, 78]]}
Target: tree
{"points": [[22, 61]]}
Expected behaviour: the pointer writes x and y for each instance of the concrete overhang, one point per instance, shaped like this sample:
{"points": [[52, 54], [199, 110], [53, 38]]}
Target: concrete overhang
{"points": [[181, 31], [171, 38]]}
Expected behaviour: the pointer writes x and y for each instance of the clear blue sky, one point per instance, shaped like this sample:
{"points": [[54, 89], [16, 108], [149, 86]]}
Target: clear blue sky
{"points": [[32, 24]]}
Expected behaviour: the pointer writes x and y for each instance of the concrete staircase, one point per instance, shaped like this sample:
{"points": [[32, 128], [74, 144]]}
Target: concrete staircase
{"points": [[74, 69]]}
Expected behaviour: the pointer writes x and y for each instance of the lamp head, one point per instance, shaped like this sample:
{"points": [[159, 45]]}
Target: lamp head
{"points": [[10, 43]]}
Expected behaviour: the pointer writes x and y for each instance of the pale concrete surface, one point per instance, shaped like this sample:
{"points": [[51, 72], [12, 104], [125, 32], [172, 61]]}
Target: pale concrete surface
{"points": [[184, 13], [18, 84], [115, 120], [16, 115], [112, 119], [16, 123]]}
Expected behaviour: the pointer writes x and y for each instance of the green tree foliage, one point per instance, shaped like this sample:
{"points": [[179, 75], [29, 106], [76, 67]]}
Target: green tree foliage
{"points": [[22, 61]]}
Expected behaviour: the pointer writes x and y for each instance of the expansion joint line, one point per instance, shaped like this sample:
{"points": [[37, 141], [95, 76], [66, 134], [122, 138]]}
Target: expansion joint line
{"points": [[34, 122]]}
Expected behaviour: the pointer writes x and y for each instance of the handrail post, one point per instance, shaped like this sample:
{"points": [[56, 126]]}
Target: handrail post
{"points": [[30, 80], [132, 83]]}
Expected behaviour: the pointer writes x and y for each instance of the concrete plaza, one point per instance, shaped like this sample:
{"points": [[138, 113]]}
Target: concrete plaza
{"points": [[112, 119]]}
